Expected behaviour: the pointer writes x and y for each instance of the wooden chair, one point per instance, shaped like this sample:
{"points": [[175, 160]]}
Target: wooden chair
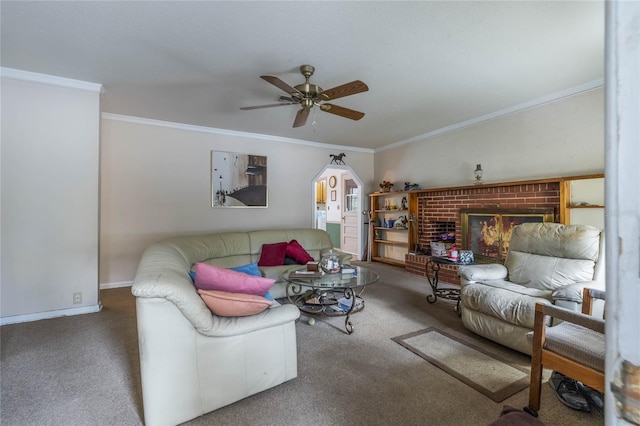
{"points": [[575, 347]]}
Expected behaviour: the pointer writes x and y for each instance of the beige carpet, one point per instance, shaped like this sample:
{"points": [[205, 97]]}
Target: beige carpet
{"points": [[84, 370], [466, 362]]}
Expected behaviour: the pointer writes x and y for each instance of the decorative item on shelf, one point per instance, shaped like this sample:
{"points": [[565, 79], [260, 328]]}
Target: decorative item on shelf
{"points": [[337, 158], [401, 223], [408, 186], [477, 173], [403, 203], [330, 262], [386, 186], [390, 223]]}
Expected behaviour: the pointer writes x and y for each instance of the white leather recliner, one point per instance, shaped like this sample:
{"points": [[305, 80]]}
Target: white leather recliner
{"points": [[548, 263]]}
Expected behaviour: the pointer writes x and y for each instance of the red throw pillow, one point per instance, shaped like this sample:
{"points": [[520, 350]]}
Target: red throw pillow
{"points": [[272, 254], [298, 253]]}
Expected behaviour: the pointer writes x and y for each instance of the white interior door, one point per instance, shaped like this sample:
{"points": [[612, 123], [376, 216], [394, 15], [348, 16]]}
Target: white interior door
{"points": [[349, 229]]}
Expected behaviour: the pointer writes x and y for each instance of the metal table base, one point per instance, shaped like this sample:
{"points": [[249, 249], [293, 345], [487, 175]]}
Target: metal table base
{"points": [[443, 293]]}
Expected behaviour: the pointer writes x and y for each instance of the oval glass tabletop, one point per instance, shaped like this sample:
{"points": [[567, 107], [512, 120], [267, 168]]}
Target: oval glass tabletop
{"points": [[362, 277]]}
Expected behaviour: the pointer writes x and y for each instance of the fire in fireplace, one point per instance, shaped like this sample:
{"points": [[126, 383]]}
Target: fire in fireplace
{"points": [[487, 232]]}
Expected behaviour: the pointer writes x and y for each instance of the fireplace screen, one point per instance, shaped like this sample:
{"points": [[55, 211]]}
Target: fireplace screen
{"points": [[487, 232]]}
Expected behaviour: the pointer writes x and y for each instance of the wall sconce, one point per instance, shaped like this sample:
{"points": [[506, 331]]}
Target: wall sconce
{"points": [[477, 173]]}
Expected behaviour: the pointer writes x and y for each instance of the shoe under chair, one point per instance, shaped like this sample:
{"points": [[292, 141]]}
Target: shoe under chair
{"points": [[575, 348]]}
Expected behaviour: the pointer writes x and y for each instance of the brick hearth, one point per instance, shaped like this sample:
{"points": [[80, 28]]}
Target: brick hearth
{"points": [[439, 208]]}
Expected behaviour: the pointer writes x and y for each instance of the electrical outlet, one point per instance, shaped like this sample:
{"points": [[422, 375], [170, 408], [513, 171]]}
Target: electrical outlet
{"points": [[77, 298]]}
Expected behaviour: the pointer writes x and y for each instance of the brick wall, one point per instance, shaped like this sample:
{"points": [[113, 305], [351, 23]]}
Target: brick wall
{"points": [[438, 208], [416, 264]]}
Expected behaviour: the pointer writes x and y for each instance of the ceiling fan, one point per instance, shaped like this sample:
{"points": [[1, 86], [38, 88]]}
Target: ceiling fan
{"points": [[309, 95]]}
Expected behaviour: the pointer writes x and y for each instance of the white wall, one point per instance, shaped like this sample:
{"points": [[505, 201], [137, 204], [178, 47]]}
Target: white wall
{"points": [[155, 181], [561, 138], [155, 184], [155, 176], [49, 192]]}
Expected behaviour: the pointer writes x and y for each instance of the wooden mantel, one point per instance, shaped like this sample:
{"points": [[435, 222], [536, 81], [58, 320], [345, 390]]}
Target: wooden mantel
{"points": [[519, 182]]}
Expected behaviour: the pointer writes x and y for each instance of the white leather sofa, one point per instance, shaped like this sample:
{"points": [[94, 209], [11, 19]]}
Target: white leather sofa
{"points": [[548, 263], [192, 361]]}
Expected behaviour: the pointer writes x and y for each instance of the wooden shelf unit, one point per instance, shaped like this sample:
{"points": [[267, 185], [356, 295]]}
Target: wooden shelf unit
{"points": [[390, 245], [574, 191]]}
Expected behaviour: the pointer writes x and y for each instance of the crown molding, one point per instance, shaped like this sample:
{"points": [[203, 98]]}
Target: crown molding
{"points": [[592, 85], [236, 133], [53, 80]]}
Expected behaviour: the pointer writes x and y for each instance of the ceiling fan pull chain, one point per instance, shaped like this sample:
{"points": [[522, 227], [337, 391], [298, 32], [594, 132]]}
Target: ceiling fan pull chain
{"points": [[314, 122]]}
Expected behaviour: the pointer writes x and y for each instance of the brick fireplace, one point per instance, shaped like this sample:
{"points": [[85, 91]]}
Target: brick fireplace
{"points": [[439, 213]]}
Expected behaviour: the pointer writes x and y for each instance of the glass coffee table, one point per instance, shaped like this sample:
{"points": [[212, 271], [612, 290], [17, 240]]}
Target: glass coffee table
{"points": [[330, 294]]}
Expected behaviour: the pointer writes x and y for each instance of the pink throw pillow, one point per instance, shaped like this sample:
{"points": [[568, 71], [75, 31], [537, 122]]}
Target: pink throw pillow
{"points": [[233, 304], [209, 277], [272, 254], [298, 253]]}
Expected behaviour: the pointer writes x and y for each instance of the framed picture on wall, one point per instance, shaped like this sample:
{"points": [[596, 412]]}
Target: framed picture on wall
{"points": [[238, 180], [333, 195]]}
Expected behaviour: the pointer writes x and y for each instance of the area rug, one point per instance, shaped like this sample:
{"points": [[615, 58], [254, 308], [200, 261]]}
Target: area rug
{"points": [[469, 363]]}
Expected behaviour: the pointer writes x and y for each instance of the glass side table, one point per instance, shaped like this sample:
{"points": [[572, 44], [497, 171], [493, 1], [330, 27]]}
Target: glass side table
{"points": [[442, 292]]}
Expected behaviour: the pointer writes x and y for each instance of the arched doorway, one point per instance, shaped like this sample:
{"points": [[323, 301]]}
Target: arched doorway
{"points": [[338, 207]]}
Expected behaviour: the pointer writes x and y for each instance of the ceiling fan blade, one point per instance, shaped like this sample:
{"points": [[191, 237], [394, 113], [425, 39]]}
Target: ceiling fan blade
{"points": [[342, 111], [267, 106], [286, 99], [347, 89], [280, 84], [301, 117]]}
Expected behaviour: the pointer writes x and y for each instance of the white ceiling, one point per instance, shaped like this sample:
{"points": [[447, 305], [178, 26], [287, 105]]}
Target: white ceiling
{"points": [[428, 65]]}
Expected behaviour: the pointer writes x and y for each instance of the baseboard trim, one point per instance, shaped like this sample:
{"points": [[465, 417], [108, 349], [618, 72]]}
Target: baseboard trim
{"points": [[106, 286], [51, 314]]}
